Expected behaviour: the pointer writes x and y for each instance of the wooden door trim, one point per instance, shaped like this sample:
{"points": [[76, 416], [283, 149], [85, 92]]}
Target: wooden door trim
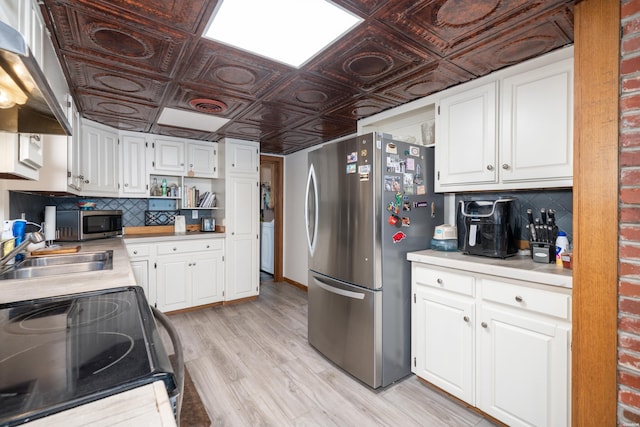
{"points": [[595, 212], [277, 184]]}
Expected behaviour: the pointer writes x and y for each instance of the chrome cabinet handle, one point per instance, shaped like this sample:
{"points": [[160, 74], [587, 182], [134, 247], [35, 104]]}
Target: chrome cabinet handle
{"points": [[519, 298], [484, 324], [87, 181], [466, 319], [505, 166], [489, 167], [135, 252], [126, 185], [175, 249], [439, 280]]}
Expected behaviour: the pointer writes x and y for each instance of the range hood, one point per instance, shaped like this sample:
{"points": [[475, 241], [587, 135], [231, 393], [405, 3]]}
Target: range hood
{"points": [[27, 102]]}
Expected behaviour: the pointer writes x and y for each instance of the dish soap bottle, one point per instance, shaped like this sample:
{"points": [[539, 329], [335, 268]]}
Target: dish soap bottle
{"points": [[164, 187], [562, 244]]}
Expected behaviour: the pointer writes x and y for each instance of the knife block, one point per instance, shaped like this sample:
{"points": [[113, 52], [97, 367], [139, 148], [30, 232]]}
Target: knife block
{"points": [[543, 252]]}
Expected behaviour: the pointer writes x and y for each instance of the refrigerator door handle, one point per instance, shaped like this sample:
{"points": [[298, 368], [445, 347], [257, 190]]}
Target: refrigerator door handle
{"points": [[327, 287], [311, 205]]}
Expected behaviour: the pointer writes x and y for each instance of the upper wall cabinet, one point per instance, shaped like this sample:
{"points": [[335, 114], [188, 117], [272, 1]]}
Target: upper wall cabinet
{"points": [[202, 159], [242, 158], [134, 165], [168, 156], [173, 156], [99, 160], [523, 141]]}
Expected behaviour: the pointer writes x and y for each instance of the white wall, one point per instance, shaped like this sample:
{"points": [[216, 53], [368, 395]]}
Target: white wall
{"points": [[295, 262]]}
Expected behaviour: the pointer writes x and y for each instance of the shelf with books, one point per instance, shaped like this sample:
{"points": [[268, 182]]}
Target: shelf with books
{"points": [[199, 193]]}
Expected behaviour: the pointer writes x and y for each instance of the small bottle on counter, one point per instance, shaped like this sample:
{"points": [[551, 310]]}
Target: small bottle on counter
{"points": [[562, 244], [164, 187]]}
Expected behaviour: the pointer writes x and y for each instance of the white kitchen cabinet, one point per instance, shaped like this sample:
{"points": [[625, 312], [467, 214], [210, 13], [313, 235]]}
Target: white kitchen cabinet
{"points": [[99, 160], [168, 156], [498, 344], [139, 255], [242, 219], [536, 142], [524, 355], [134, 165], [242, 157], [202, 159], [12, 164], [466, 137], [443, 338], [180, 273], [523, 141]]}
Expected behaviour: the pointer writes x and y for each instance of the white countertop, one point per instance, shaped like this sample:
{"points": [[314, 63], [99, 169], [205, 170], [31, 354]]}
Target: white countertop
{"points": [[144, 406], [516, 267], [162, 237]]}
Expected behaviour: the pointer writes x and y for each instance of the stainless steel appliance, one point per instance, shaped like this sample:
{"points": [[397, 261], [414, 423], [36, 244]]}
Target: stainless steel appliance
{"points": [[369, 201], [61, 352], [78, 225]]}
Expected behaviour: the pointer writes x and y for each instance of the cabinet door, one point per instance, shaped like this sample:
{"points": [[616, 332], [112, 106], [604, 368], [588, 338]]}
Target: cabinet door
{"points": [[99, 161], [207, 277], [443, 341], [202, 160], [169, 156], [242, 158], [466, 137], [537, 125], [522, 366], [242, 216], [141, 273], [134, 171], [173, 282]]}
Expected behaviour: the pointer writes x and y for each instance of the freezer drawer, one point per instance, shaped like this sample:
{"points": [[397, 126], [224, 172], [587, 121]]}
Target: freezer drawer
{"points": [[345, 326]]}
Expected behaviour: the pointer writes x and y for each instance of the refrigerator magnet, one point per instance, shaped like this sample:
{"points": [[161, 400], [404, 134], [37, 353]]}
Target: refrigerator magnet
{"points": [[391, 148], [421, 190], [352, 157], [406, 221], [391, 183], [398, 237], [363, 152], [351, 168], [410, 164], [406, 206], [364, 177], [364, 169], [414, 151]]}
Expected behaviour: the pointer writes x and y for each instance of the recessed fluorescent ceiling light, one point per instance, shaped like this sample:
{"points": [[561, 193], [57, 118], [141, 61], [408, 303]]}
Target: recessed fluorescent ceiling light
{"points": [[190, 120], [289, 31]]}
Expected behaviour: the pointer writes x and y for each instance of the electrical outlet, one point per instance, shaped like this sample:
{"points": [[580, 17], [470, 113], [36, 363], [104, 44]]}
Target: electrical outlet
{"points": [[194, 214]]}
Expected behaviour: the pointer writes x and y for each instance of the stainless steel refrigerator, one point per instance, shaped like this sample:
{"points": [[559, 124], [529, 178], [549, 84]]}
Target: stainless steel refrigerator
{"points": [[369, 201]]}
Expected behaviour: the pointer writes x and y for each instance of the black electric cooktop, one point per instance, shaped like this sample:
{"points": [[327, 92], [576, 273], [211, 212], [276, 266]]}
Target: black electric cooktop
{"points": [[57, 353]]}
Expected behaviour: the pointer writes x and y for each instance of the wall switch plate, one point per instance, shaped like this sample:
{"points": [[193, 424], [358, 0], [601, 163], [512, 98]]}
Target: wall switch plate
{"points": [[194, 214]]}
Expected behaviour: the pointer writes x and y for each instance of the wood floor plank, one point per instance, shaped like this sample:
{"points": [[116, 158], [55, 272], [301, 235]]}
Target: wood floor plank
{"points": [[253, 366]]}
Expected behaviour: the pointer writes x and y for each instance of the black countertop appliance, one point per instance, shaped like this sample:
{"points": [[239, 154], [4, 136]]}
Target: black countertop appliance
{"points": [[488, 227], [61, 352]]}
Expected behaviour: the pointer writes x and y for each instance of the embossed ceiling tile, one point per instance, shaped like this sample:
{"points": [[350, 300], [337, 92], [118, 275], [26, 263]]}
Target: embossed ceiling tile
{"points": [[110, 80], [363, 7], [120, 122], [181, 132], [250, 131], [425, 81], [511, 47], [312, 93], [92, 103], [273, 116], [208, 100], [218, 65], [93, 34], [446, 26], [363, 107], [369, 57], [184, 15], [328, 127], [292, 141]]}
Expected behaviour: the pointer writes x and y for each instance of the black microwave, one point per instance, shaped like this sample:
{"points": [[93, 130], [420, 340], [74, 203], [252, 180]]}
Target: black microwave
{"points": [[78, 225]]}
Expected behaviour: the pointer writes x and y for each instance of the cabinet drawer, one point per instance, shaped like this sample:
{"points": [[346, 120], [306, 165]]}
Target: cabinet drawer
{"points": [[138, 251], [441, 279], [181, 247], [531, 299]]}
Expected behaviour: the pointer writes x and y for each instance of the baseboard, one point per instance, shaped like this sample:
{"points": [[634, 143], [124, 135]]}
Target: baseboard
{"points": [[296, 284]]}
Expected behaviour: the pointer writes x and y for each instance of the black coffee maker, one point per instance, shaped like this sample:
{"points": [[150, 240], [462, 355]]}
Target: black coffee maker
{"points": [[488, 227]]}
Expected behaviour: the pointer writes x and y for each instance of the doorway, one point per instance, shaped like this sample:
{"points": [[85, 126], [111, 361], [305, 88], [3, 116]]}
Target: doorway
{"points": [[271, 215]]}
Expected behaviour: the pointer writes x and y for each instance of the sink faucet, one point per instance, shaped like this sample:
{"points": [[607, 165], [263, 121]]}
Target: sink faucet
{"points": [[35, 237]]}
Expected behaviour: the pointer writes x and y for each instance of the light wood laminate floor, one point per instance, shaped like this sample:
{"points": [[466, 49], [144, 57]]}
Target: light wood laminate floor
{"points": [[253, 366]]}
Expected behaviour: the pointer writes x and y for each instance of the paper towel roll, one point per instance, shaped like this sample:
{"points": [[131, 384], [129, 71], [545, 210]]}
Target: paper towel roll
{"points": [[49, 223]]}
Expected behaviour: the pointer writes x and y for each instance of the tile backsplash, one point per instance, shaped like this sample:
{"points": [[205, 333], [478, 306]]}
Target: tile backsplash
{"points": [[559, 200], [133, 210]]}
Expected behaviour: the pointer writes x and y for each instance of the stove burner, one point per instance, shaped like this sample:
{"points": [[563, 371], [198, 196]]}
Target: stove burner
{"points": [[120, 345]]}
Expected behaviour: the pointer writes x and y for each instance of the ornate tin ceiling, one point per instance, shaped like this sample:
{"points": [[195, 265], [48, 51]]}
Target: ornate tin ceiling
{"points": [[126, 60]]}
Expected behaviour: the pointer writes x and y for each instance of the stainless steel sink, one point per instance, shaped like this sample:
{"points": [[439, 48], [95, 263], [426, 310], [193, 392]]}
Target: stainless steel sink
{"points": [[60, 264]]}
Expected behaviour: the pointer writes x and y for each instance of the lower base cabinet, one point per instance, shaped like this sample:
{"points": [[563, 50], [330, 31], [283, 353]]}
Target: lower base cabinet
{"points": [[501, 345], [179, 274]]}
